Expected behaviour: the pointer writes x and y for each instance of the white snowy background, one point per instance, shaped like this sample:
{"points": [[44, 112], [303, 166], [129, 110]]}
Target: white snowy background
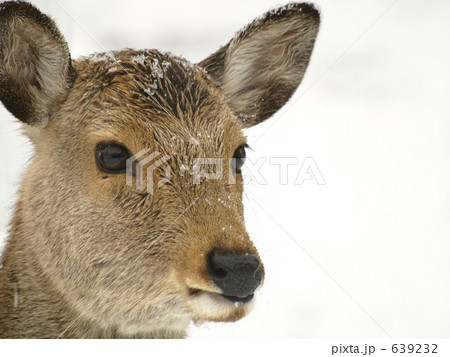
{"points": [[367, 254]]}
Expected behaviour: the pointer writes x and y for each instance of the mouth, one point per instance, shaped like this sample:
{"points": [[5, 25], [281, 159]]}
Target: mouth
{"points": [[238, 299], [222, 298]]}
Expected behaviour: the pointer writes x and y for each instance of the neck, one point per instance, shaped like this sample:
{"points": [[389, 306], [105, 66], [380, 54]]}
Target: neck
{"points": [[31, 307]]}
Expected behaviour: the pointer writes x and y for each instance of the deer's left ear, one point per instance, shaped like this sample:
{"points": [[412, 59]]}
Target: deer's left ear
{"points": [[261, 67]]}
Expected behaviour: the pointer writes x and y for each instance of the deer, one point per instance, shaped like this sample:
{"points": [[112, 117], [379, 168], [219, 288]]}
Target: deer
{"points": [[90, 256]]}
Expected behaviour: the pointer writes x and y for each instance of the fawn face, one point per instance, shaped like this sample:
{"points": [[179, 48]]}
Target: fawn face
{"points": [[123, 255]]}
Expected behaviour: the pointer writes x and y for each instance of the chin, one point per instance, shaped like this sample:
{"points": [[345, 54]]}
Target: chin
{"points": [[209, 306]]}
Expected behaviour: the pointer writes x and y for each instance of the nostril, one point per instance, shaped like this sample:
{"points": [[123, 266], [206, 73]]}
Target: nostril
{"points": [[216, 270], [220, 273]]}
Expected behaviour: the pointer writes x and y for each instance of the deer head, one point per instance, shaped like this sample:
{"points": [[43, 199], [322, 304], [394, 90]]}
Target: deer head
{"points": [[126, 257]]}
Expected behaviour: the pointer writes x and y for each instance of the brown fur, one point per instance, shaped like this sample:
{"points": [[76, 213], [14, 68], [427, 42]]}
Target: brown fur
{"points": [[89, 256]]}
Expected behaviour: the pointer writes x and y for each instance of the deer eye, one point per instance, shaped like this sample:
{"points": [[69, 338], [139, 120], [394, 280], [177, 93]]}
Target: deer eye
{"points": [[111, 158], [238, 159]]}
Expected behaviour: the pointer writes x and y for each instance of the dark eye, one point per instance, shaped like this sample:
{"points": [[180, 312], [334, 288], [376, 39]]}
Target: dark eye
{"points": [[111, 158], [238, 159]]}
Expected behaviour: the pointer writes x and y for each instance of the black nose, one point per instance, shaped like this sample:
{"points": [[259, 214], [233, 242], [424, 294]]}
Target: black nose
{"points": [[236, 275]]}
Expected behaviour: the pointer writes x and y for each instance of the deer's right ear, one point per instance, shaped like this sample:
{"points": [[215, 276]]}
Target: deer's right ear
{"points": [[35, 66]]}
